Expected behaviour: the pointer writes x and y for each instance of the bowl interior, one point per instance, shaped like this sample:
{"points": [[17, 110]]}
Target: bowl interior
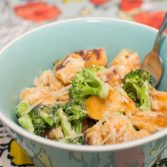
{"points": [[22, 60]]}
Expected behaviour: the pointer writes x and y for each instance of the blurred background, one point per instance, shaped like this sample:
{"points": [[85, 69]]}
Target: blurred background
{"points": [[19, 16]]}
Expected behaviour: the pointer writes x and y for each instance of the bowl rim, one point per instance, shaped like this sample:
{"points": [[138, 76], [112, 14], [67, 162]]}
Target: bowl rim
{"points": [[82, 148]]}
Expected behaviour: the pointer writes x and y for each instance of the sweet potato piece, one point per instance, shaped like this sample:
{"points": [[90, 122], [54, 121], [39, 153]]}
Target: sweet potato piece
{"points": [[117, 101], [95, 107]]}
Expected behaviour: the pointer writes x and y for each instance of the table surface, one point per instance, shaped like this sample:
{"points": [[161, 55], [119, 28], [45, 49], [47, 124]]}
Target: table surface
{"points": [[15, 20]]}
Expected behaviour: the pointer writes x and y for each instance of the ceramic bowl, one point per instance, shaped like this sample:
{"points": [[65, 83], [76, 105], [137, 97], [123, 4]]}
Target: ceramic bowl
{"points": [[25, 57]]}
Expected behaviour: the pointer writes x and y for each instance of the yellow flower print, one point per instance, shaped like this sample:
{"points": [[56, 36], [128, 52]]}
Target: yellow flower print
{"points": [[18, 155]]}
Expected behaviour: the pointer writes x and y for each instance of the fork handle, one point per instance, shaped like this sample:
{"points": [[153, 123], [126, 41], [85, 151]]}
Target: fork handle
{"points": [[161, 31]]}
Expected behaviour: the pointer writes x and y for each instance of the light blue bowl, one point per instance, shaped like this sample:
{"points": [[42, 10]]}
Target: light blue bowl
{"points": [[24, 58]]}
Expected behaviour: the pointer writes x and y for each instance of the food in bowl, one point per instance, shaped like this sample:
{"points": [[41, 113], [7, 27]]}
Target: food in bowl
{"points": [[85, 100]]}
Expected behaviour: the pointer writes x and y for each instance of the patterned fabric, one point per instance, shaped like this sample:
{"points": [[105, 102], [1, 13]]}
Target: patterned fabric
{"points": [[19, 16]]}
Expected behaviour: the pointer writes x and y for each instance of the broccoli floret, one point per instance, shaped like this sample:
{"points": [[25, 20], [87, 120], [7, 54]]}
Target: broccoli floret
{"points": [[26, 122], [65, 124], [71, 135], [39, 124], [23, 108], [30, 119], [137, 85], [40, 119], [87, 83], [76, 114], [68, 117], [45, 113], [77, 125]]}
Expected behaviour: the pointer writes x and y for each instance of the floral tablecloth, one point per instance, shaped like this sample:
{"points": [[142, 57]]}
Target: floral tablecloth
{"points": [[19, 16]]}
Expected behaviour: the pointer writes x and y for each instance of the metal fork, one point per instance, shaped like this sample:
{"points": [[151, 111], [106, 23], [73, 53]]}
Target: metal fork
{"points": [[152, 61]]}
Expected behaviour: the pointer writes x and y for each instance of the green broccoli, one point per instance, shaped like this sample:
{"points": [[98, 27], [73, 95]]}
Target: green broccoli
{"points": [[29, 119], [23, 108], [71, 128], [76, 114], [48, 114], [65, 124], [87, 83], [39, 124], [33, 123], [42, 117], [137, 85], [26, 122], [35, 120], [39, 118]]}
